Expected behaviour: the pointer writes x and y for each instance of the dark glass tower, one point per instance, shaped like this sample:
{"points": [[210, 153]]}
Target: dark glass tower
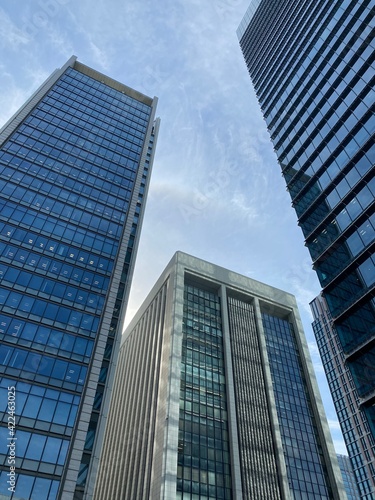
{"points": [[353, 421], [311, 64], [75, 164], [215, 396]]}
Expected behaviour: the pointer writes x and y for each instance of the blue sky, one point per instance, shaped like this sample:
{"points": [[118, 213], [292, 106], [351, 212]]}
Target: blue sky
{"points": [[216, 190]]}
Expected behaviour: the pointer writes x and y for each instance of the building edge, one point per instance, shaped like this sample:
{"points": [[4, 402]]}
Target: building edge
{"points": [[70, 474], [247, 17], [14, 121], [73, 460], [334, 471], [153, 128], [275, 299]]}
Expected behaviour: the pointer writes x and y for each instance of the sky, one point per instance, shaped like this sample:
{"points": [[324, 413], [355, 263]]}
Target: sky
{"points": [[216, 190]]}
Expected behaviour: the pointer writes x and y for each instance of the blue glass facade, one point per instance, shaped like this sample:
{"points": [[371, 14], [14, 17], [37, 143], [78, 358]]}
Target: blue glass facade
{"points": [[203, 449], [314, 79], [305, 462], [73, 174], [348, 477]]}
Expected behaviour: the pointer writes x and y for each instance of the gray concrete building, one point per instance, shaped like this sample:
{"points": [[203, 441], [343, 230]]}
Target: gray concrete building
{"points": [[215, 396]]}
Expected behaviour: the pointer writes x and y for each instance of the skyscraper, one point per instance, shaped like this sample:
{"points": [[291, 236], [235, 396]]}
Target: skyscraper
{"points": [[348, 477], [353, 421], [75, 165], [215, 396], [311, 64]]}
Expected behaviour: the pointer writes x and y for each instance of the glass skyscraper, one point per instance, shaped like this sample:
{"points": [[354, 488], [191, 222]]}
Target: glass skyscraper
{"points": [[312, 66], [215, 396], [357, 436], [75, 164], [348, 477]]}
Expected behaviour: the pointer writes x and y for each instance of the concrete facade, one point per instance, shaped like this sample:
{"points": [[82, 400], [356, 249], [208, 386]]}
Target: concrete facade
{"points": [[147, 452]]}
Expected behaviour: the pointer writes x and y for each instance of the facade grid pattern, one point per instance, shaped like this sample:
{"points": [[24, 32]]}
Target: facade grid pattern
{"points": [[128, 446], [348, 477], [69, 166], [212, 356], [306, 468], [258, 463], [314, 80], [357, 436], [203, 448]]}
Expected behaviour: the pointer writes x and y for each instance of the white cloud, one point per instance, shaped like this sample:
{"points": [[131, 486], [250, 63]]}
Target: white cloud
{"points": [[313, 348], [100, 56], [61, 41], [213, 155], [315, 357], [245, 210], [334, 425], [12, 95], [337, 438], [339, 446], [10, 34]]}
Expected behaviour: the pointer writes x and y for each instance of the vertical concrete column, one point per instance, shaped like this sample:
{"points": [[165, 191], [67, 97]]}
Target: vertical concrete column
{"points": [[232, 417]]}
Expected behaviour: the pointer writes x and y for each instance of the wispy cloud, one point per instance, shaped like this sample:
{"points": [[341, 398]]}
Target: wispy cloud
{"points": [[337, 437], [59, 39], [10, 101], [245, 210], [10, 34], [334, 425], [339, 446], [216, 188]]}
